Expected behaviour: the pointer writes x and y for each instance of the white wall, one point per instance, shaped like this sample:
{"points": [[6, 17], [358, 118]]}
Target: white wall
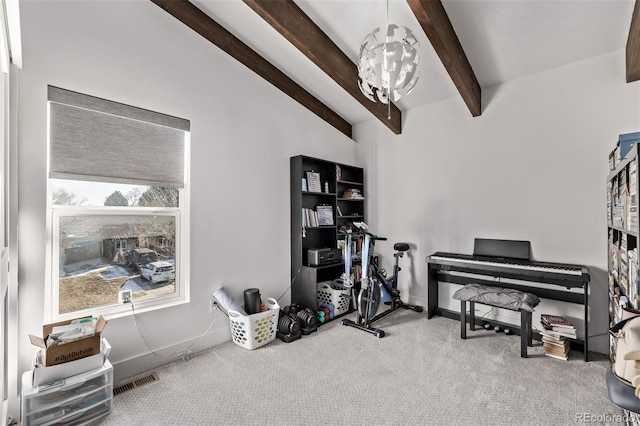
{"points": [[532, 167], [243, 132]]}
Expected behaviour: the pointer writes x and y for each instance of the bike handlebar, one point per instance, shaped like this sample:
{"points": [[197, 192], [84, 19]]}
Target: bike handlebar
{"points": [[375, 237]]}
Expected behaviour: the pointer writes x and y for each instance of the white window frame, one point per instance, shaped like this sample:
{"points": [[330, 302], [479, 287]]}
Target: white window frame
{"points": [[120, 245], [181, 295]]}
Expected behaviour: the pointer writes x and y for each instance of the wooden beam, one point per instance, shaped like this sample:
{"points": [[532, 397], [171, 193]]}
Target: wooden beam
{"points": [[437, 26], [290, 21], [633, 46], [204, 25]]}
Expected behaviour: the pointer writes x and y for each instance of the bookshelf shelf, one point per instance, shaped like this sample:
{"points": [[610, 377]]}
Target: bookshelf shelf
{"points": [[335, 179], [622, 236]]}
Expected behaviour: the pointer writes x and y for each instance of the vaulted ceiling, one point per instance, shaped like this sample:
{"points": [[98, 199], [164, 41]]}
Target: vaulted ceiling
{"points": [[308, 49]]}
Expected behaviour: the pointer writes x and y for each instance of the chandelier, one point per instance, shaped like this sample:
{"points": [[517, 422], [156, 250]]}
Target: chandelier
{"points": [[388, 65]]}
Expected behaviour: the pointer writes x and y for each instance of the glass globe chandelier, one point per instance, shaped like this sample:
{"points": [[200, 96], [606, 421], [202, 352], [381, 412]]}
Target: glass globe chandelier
{"points": [[388, 65]]}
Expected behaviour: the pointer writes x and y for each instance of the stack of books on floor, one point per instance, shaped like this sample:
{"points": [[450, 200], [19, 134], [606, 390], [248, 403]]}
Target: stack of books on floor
{"points": [[557, 331]]}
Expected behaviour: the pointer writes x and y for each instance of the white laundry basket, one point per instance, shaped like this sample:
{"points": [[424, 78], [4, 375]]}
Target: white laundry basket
{"points": [[335, 293], [255, 330]]}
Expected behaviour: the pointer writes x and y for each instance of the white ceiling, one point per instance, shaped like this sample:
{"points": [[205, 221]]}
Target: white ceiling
{"points": [[503, 40]]}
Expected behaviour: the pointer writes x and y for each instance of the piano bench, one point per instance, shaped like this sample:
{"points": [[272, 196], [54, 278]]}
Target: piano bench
{"points": [[497, 297]]}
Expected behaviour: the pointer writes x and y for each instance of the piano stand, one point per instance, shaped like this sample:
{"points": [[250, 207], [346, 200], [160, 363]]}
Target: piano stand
{"points": [[525, 324], [455, 269]]}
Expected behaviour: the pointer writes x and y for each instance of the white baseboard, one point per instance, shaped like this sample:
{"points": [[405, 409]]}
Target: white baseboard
{"points": [[133, 366]]}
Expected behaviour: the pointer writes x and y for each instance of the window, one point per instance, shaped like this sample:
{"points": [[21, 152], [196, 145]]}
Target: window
{"points": [[118, 202]]}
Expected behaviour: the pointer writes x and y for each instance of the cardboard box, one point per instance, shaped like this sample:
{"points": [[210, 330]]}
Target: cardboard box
{"points": [[71, 351], [43, 375]]}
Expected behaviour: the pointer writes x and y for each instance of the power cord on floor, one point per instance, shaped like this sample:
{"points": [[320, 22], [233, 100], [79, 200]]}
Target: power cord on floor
{"points": [[184, 354], [133, 315]]}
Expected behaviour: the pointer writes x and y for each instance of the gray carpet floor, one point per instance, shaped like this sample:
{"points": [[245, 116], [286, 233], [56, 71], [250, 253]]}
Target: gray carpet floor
{"points": [[421, 372]]}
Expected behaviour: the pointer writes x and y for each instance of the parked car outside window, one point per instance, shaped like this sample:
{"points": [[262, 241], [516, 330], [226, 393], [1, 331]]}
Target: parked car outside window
{"points": [[157, 272], [142, 256]]}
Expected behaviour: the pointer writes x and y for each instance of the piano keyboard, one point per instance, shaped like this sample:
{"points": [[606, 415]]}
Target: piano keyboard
{"points": [[526, 267]]}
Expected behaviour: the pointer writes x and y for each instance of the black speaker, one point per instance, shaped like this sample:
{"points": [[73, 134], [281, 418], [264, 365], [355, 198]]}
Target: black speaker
{"points": [[252, 301]]}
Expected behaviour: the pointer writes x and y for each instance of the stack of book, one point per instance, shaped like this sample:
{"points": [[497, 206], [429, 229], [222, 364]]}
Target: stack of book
{"points": [[557, 331], [352, 193]]}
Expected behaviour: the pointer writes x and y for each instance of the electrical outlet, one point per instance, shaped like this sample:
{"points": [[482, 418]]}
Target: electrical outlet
{"points": [[125, 296], [212, 305]]}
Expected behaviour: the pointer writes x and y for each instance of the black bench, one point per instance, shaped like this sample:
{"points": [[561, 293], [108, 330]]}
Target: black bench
{"points": [[497, 297]]}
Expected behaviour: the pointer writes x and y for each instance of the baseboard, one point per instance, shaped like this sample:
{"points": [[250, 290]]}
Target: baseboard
{"points": [[133, 366], [414, 300]]}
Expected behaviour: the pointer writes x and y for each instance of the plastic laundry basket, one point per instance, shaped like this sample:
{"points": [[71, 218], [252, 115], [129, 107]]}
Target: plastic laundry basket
{"points": [[335, 293], [253, 331]]}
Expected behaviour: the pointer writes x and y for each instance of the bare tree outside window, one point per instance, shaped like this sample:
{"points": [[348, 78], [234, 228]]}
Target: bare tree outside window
{"points": [[63, 197], [159, 197]]}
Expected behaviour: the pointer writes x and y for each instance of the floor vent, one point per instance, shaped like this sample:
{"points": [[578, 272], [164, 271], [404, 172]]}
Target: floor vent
{"points": [[135, 382]]}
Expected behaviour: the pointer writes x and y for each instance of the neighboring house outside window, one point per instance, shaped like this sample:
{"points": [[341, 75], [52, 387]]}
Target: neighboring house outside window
{"points": [[118, 199]]}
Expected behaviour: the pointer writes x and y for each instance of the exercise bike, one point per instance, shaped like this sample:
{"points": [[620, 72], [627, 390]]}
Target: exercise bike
{"points": [[375, 287]]}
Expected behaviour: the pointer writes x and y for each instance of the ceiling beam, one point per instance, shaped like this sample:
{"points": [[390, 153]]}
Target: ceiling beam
{"points": [[204, 25], [633, 46], [437, 26], [290, 21]]}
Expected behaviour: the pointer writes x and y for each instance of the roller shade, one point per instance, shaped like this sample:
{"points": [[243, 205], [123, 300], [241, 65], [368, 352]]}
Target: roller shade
{"points": [[99, 140]]}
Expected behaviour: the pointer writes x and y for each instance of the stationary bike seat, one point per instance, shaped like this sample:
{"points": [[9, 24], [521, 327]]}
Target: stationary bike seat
{"points": [[401, 246]]}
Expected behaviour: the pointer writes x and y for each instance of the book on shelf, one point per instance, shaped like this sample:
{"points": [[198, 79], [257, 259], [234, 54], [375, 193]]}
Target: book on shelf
{"points": [[309, 218], [356, 247], [323, 216], [352, 193]]}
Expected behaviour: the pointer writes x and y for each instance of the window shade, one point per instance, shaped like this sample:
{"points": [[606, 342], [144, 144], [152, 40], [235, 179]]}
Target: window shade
{"points": [[99, 140]]}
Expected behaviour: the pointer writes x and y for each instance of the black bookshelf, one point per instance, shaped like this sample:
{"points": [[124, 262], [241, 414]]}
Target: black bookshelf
{"points": [[335, 179]]}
